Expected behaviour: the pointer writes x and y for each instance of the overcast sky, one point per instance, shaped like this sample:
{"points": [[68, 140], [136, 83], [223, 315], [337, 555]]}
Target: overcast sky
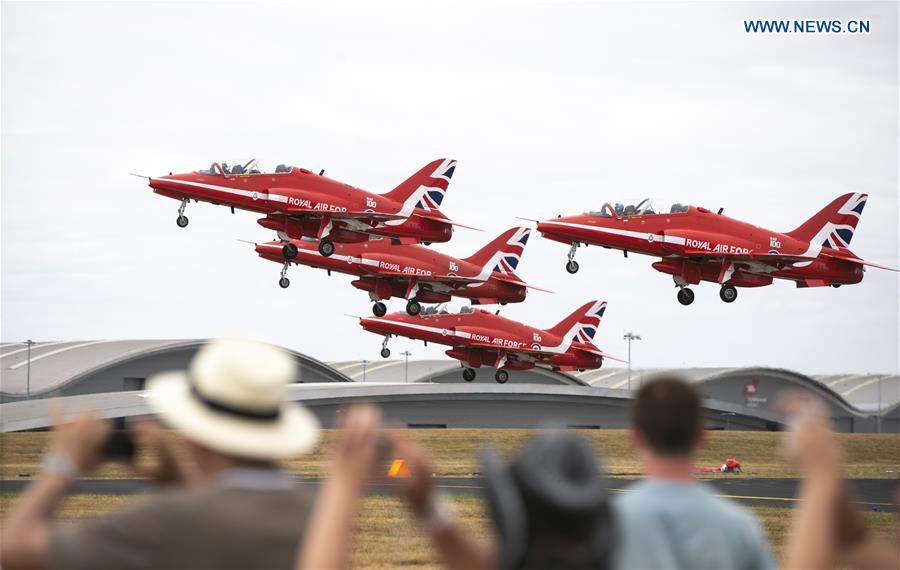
{"points": [[550, 108]]}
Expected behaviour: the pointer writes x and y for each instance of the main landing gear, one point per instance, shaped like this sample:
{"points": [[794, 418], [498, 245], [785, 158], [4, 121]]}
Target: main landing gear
{"points": [[469, 374], [501, 376], [572, 265], [284, 282], [379, 309], [385, 351], [685, 296], [182, 220], [326, 247], [289, 251], [413, 308], [728, 293]]}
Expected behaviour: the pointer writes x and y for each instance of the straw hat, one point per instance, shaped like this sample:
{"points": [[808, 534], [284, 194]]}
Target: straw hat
{"points": [[231, 399]]}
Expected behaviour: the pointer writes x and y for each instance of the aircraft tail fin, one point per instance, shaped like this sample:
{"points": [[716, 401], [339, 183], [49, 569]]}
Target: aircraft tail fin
{"points": [[503, 253], [426, 188], [582, 324], [834, 225]]}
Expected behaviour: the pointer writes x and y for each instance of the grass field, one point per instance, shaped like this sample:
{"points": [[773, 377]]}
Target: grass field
{"points": [[387, 535], [456, 452]]}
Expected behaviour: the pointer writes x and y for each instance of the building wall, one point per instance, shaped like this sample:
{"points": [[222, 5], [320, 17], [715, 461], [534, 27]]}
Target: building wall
{"points": [[131, 374], [516, 411], [733, 387]]}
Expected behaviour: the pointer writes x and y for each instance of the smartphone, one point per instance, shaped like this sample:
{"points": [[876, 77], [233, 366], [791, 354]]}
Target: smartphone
{"points": [[120, 446]]}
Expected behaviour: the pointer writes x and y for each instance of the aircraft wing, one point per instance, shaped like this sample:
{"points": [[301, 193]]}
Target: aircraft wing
{"points": [[590, 349], [355, 215], [506, 349], [437, 218], [515, 281], [701, 255], [427, 278], [853, 259]]}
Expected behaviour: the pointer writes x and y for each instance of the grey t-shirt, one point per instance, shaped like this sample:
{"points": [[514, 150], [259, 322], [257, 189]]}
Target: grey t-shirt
{"points": [[226, 526], [669, 524]]}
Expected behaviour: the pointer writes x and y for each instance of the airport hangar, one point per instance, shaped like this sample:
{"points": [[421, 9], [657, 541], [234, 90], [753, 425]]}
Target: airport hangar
{"points": [[109, 376]]}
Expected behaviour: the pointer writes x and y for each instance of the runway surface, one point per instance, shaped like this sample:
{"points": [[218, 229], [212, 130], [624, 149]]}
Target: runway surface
{"points": [[870, 494]]}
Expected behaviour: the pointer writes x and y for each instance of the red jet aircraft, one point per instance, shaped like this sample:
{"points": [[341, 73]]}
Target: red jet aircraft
{"points": [[697, 245], [418, 273], [477, 337], [298, 203]]}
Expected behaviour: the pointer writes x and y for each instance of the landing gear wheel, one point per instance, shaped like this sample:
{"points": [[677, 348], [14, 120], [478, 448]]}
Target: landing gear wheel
{"points": [[379, 309], [385, 352], [326, 247], [413, 307], [501, 376], [289, 251], [284, 282], [728, 293], [572, 267], [469, 374], [685, 296], [182, 221]]}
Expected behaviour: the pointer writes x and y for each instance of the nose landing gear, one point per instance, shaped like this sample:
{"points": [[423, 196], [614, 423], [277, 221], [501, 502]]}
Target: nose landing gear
{"points": [[284, 282], [571, 264], [182, 220], [385, 351]]}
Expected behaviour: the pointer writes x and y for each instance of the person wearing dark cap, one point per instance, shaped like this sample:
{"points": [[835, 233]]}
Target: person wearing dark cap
{"points": [[550, 505], [670, 520], [238, 511], [549, 508]]}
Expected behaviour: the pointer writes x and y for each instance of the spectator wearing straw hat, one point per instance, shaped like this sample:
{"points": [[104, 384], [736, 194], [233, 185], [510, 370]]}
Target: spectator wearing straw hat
{"points": [[237, 510]]}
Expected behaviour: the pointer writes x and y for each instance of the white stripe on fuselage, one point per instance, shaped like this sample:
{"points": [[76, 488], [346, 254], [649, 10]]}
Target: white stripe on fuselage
{"points": [[245, 193], [558, 349], [347, 258], [440, 331], [627, 233]]}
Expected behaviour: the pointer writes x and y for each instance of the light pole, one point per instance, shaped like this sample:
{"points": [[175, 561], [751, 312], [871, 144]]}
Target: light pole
{"points": [[629, 336], [28, 344], [406, 354], [364, 362], [878, 417]]}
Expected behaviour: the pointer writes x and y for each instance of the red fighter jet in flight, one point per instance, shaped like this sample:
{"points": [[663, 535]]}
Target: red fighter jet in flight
{"points": [[697, 245], [418, 273], [298, 203], [480, 338]]}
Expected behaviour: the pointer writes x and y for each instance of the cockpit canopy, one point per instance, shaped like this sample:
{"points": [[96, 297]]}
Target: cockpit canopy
{"points": [[249, 167], [442, 310], [642, 207]]}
